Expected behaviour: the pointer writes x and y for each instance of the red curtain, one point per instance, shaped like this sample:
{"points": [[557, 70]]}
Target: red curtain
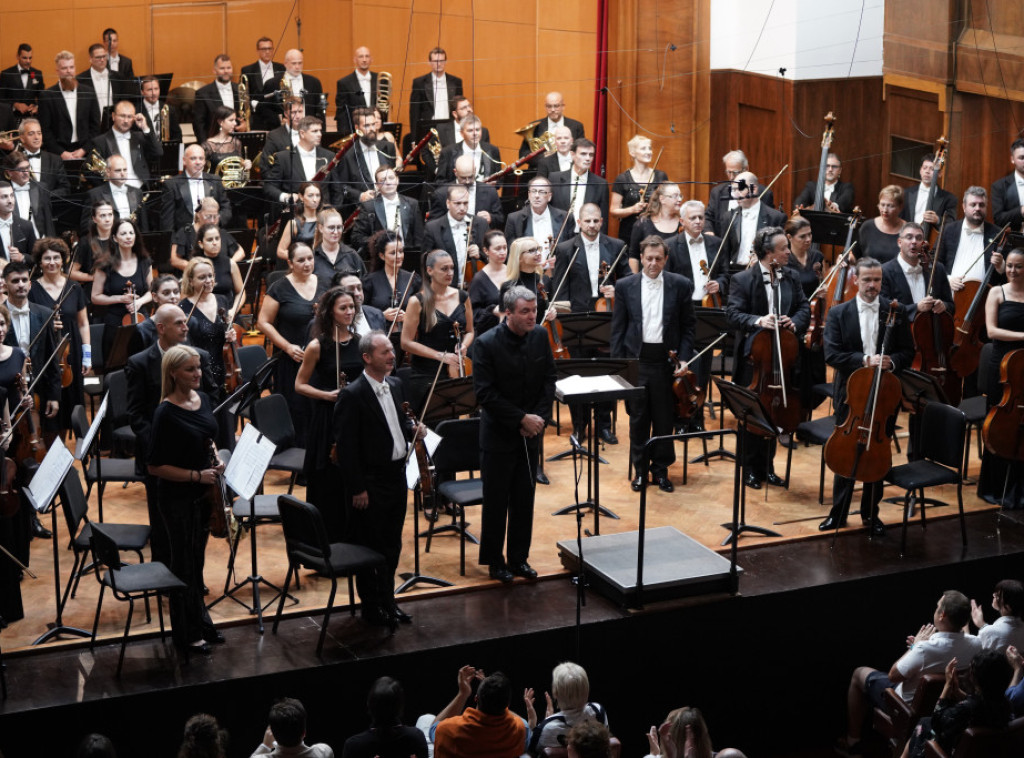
{"points": [[601, 89]]}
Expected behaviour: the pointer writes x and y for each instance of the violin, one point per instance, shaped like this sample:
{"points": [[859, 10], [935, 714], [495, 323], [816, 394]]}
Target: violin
{"points": [[422, 459], [473, 265], [465, 367], [773, 354], [689, 396], [220, 502], [66, 375], [1003, 430], [603, 304], [711, 299], [134, 315], [933, 336], [28, 445], [969, 321], [861, 448], [558, 348], [232, 369], [342, 384]]}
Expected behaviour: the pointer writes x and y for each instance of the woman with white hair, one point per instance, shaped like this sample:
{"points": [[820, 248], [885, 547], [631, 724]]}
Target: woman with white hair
{"points": [[570, 688], [632, 188]]}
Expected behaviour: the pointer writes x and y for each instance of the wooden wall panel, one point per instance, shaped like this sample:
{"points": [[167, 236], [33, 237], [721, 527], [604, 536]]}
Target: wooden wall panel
{"points": [[204, 28]]}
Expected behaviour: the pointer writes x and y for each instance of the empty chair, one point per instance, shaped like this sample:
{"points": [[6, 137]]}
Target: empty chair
{"points": [[273, 419], [100, 471], [458, 452]]}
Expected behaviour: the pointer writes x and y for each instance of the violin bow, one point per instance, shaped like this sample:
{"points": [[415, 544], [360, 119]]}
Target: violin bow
{"points": [[565, 276], [426, 403], [647, 187], [776, 306], [614, 264], [997, 238], [404, 293]]}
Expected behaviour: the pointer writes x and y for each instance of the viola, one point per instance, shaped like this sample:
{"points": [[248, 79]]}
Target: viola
{"points": [[711, 299], [134, 315], [232, 369], [1003, 430], [220, 503], [28, 444], [861, 448], [558, 348], [842, 286], [690, 396], [465, 367], [603, 304], [66, 375], [933, 336], [773, 354]]}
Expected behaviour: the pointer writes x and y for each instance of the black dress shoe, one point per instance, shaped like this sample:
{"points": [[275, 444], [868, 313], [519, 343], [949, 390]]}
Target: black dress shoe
{"points": [[637, 484], [752, 481], [501, 573], [542, 478], [877, 527], [664, 484], [609, 437], [400, 615], [376, 616], [524, 570], [775, 480], [40, 531], [830, 523], [697, 425], [214, 638]]}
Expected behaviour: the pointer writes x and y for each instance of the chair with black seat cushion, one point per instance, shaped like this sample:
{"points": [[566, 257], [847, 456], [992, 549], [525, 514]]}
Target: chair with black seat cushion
{"points": [[943, 430], [250, 358], [306, 544], [95, 390], [982, 742], [117, 412], [816, 432], [271, 416], [976, 408], [127, 582], [458, 452], [97, 471]]}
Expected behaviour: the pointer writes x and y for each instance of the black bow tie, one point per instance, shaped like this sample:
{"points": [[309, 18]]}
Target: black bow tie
{"points": [[34, 155]]}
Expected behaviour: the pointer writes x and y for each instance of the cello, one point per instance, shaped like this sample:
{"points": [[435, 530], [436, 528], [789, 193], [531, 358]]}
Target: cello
{"points": [[1003, 430], [861, 447], [969, 320], [933, 337]]}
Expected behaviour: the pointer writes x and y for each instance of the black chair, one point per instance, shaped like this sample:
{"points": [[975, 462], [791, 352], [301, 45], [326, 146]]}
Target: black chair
{"points": [[457, 453], [307, 546], [128, 582], [97, 471], [271, 416], [816, 432], [94, 390], [117, 412], [250, 358], [976, 408], [943, 430]]}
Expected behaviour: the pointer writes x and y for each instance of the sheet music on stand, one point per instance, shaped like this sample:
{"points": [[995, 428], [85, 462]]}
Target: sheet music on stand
{"points": [[48, 477], [412, 466], [249, 462], [579, 385], [83, 445]]}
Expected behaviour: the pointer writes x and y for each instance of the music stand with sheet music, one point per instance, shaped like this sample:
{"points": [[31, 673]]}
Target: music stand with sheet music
{"points": [[583, 334], [591, 367], [828, 228], [452, 398], [711, 323], [749, 412]]}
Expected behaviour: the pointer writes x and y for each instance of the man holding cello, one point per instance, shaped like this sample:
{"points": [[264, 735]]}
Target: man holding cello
{"points": [[854, 335]]}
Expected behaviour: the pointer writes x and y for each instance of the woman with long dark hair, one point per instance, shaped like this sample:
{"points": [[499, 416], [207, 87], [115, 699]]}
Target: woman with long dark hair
{"points": [[128, 263]]}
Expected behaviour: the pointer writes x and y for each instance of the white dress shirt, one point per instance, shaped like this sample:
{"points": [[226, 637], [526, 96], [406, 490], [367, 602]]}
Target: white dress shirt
{"points": [[969, 262], [71, 103], [698, 255], [308, 158], [593, 251], [542, 231], [748, 230], [580, 188], [652, 301], [124, 147], [5, 233], [120, 197], [294, 83], [392, 214], [867, 314], [227, 97], [197, 189], [383, 393], [23, 204], [364, 84], [915, 278], [101, 83], [266, 71], [22, 324], [460, 230], [922, 202], [439, 86], [371, 158]]}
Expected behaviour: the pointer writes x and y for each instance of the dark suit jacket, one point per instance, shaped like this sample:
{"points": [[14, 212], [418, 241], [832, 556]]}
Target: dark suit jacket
{"points": [[102, 192], [446, 133], [42, 213], [716, 217], [278, 139], [844, 348], [49, 385], [172, 116], [574, 126], [145, 149], [490, 159], [22, 237], [748, 301], [896, 287], [951, 242], [287, 174], [766, 216], [486, 200], [577, 286], [547, 165], [628, 319], [125, 69], [56, 121], [679, 260], [597, 192], [437, 235], [371, 220], [520, 223], [13, 91], [841, 196], [264, 115], [1006, 202], [349, 96], [944, 204], [207, 101], [312, 89], [53, 177], [375, 318], [176, 208], [421, 99], [352, 175]]}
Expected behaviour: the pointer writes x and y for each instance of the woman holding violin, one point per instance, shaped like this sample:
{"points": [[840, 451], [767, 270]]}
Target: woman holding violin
{"points": [[389, 286], [428, 332], [633, 187], [301, 226], [95, 244], [166, 291], [662, 218], [485, 289], [807, 262], [206, 312], [128, 264], [331, 360], [879, 235], [54, 289], [1004, 319]]}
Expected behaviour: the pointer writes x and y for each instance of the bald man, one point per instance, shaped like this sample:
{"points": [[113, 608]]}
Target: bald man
{"points": [[554, 104], [183, 193], [115, 190], [753, 214], [306, 86], [355, 90]]}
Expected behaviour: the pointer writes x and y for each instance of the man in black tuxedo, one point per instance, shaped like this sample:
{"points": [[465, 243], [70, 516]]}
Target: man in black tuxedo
{"points": [[561, 159], [293, 167], [1008, 192], [838, 196], [753, 214], [142, 144], [367, 318], [16, 235], [483, 197], [963, 242], [355, 90], [151, 110], [31, 202], [850, 327], [721, 200], [486, 157], [379, 213], [653, 314], [117, 63], [456, 232], [514, 381], [116, 191], [302, 85], [61, 135], [260, 78], [450, 132], [538, 218], [431, 94], [20, 85], [283, 137], [182, 193], [554, 104], [47, 168], [144, 378], [355, 174], [372, 434], [905, 280], [920, 205], [108, 86], [221, 91], [749, 312], [572, 189]]}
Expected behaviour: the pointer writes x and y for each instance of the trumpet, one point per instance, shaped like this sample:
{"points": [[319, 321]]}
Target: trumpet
{"points": [[384, 94], [165, 123]]}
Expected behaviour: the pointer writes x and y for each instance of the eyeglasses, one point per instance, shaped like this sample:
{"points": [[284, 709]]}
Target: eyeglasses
{"points": [[335, 228], [832, 165], [540, 192]]}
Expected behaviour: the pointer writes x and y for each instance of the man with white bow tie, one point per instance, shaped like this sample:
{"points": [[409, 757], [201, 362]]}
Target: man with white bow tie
{"points": [[904, 278], [301, 84], [964, 241]]}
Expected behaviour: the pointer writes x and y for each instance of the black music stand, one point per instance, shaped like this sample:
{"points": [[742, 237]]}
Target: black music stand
{"points": [[711, 322], [585, 334], [591, 398], [750, 413], [159, 246], [589, 367], [126, 342], [452, 398], [410, 580], [252, 143], [828, 228], [169, 162]]}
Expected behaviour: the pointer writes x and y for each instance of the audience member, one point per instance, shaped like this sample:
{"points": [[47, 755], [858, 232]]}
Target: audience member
{"points": [[387, 737], [1015, 692], [570, 688], [1008, 629], [588, 739], [684, 734], [95, 746], [203, 738], [286, 733], [489, 730]]}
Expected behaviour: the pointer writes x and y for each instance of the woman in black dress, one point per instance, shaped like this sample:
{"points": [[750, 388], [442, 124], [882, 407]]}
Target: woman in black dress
{"points": [[389, 286], [428, 333], [485, 289], [202, 306], [807, 261], [1004, 321], [50, 255], [226, 275], [15, 533], [183, 240], [300, 227], [166, 291], [330, 254], [222, 142], [333, 351], [180, 457], [95, 244], [878, 236], [129, 263], [626, 204], [662, 217], [284, 317]]}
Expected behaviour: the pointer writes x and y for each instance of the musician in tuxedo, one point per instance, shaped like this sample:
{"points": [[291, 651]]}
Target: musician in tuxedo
{"points": [[653, 314], [514, 381], [380, 212], [372, 433], [357, 89], [905, 280], [47, 168], [483, 197], [141, 143], [283, 137], [456, 232], [1008, 192], [293, 167], [117, 63], [221, 91], [298, 84], [368, 318], [538, 218], [151, 110], [183, 193], [686, 252], [260, 77], [355, 174], [561, 158], [928, 203], [572, 189], [20, 85], [752, 215], [32, 203], [450, 132], [964, 241], [116, 191], [854, 333], [486, 157], [554, 104], [431, 94], [108, 85], [749, 312], [838, 195], [62, 134], [143, 377], [16, 235], [721, 201]]}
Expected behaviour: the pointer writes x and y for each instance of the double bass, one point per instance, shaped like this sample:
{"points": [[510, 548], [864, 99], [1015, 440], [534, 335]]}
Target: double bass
{"points": [[939, 163], [933, 337], [826, 144], [969, 320]]}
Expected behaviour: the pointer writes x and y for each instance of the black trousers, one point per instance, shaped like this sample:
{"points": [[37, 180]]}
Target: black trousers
{"points": [[159, 542], [842, 494], [379, 526], [653, 416], [187, 522], [508, 487]]}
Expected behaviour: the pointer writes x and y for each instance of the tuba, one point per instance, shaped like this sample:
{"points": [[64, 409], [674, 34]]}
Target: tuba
{"points": [[384, 94], [545, 140]]}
